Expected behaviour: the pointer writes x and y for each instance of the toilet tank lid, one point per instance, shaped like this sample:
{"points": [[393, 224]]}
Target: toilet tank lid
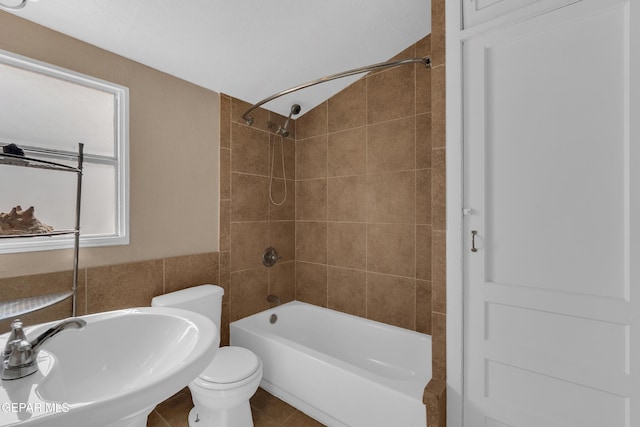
{"points": [[185, 295]]}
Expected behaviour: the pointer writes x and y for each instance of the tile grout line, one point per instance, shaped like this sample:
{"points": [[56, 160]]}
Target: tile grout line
{"points": [[366, 212], [326, 219], [415, 192]]}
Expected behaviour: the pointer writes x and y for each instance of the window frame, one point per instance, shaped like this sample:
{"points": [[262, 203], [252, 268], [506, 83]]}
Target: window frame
{"points": [[120, 160]]}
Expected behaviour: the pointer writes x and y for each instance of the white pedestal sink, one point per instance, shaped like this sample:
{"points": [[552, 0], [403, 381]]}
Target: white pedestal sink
{"points": [[113, 372]]}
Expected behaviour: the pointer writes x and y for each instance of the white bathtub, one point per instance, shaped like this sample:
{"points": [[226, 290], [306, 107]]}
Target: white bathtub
{"points": [[340, 369]]}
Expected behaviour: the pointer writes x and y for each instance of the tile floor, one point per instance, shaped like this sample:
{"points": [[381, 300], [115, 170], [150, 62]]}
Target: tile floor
{"points": [[267, 410]]}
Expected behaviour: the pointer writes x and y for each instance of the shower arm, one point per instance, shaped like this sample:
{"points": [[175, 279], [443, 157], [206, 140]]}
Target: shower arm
{"points": [[380, 66]]}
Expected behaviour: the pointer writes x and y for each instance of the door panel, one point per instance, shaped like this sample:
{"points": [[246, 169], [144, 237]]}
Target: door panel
{"points": [[476, 12], [546, 152]]}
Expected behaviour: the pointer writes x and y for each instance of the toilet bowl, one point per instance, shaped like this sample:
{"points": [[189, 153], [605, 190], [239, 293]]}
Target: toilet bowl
{"points": [[221, 392]]}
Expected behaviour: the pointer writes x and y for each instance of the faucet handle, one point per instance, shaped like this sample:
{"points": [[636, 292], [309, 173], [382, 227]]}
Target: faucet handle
{"points": [[17, 333], [16, 330]]}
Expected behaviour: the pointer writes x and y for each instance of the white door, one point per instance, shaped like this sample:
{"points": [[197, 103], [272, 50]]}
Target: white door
{"points": [[553, 198]]}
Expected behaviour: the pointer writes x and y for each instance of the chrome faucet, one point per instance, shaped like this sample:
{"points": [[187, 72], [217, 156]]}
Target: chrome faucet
{"points": [[19, 357]]}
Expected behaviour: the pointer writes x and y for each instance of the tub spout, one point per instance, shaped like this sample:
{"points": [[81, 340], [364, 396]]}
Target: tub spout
{"points": [[274, 299]]}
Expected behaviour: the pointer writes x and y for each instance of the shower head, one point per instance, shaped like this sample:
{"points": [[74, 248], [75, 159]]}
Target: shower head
{"points": [[295, 109]]}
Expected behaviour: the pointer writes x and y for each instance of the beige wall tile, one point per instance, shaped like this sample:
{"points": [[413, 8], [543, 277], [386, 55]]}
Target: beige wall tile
{"points": [[391, 299], [438, 105], [347, 244], [311, 158], [311, 241], [191, 270], [249, 197], [224, 323], [439, 346], [36, 284], [123, 285], [391, 197], [423, 196], [282, 236], [439, 271], [225, 273], [81, 296], [438, 32], [347, 198], [347, 290], [311, 283], [275, 158], [391, 249], [423, 141], [248, 293], [424, 256], [347, 109], [390, 94], [438, 190], [347, 152], [423, 89], [285, 209], [391, 146], [248, 242], [249, 150], [313, 123], [282, 281], [423, 306], [311, 200], [225, 173], [225, 225]]}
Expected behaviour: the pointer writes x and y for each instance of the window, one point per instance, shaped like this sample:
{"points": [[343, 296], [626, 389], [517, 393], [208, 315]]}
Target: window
{"points": [[43, 106]]}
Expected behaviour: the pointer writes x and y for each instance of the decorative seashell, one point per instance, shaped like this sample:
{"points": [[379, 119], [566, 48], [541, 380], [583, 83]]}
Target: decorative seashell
{"points": [[20, 221]]}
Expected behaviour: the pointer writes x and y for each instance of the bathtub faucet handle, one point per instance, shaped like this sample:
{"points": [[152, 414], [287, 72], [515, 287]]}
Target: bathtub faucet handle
{"points": [[270, 257]]}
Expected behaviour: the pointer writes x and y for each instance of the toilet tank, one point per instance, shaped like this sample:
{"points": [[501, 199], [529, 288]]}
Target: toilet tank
{"points": [[203, 299]]}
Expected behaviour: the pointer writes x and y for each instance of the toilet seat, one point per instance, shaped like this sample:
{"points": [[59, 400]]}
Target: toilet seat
{"points": [[231, 367]]}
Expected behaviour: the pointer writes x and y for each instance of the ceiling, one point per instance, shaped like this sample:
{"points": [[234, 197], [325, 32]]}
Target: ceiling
{"points": [[249, 49]]}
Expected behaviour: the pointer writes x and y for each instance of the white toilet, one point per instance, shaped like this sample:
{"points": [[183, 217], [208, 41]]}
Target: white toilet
{"points": [[221, 392]]}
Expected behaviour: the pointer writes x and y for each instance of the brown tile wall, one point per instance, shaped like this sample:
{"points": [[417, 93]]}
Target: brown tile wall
{"points": [[249, 222], [113, 287], [363, 227], [364, 179], [435, 395]]}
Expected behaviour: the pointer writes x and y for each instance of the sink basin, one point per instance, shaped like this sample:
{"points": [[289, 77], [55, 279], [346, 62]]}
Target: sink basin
{"points": [[111, 373]]}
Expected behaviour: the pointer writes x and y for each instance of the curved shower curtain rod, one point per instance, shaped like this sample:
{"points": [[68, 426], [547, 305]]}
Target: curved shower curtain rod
{"points": [[380, 66]]}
